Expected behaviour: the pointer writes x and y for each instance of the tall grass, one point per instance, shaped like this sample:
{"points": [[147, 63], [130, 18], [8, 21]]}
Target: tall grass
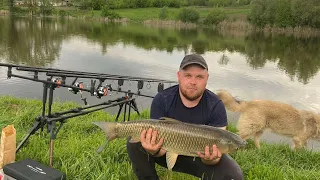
{"points": [[77, 142]]}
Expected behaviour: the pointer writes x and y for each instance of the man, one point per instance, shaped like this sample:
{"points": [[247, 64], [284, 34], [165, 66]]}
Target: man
{"points": [[191, 102]]}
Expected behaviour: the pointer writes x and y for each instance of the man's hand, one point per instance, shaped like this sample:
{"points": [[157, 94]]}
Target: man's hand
{"points": [[210, 159], [148, 142]]}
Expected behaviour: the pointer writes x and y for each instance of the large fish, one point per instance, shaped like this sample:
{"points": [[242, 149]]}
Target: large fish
{"points": [[179, 138]]}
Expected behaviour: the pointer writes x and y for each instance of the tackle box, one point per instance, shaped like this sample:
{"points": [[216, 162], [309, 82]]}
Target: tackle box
{"points": [[29, 169]]}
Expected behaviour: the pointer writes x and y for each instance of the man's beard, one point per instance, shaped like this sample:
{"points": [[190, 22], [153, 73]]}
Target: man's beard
{"points": [[191, 98]]}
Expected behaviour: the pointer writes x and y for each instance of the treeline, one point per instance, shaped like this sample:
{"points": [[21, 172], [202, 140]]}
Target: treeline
{"points": [[285, 13], [121, 4]]}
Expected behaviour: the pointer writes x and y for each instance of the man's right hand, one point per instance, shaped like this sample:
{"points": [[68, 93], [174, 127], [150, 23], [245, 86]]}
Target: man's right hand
{"points": [[148, 142]]}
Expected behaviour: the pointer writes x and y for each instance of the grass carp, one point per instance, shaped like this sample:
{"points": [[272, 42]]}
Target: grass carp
{"points": [[180, 138]]}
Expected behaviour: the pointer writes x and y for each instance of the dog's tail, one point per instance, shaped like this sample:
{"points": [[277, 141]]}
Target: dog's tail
{"points": [[317, 118], [230, 102]]}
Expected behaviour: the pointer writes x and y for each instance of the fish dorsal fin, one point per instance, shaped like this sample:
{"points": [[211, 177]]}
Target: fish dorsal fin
{"points": [[171, 158], [171, 120]]}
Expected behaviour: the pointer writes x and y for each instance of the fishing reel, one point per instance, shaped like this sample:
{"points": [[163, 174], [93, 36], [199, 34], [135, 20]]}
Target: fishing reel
{"points": [[57, 81], [76, 90], [102, 91]]}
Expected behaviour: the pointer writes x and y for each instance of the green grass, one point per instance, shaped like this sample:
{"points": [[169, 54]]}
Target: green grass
{"points": [[141, 14], [77, 142], [153, 13]]}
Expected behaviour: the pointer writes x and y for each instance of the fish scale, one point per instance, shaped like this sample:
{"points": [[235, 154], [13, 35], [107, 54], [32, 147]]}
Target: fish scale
{"points": [[180, 138]]}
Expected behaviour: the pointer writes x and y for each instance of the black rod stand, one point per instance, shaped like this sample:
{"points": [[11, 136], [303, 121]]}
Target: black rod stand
{"points": [[51, 119]]}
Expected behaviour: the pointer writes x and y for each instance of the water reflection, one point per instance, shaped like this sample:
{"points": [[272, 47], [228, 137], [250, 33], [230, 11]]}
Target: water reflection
{"points": [[30, 41], [38, 42], [297, 57]]}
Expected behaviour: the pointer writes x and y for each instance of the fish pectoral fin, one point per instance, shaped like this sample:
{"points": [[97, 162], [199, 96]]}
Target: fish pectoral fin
{"points": [[134, 140], [169, 120], [171, 158]]}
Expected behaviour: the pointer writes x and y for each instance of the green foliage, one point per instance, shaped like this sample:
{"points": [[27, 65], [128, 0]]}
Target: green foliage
{"points": [[302, 12], [121, 4], [262, 12], [85, 5], [159, 3], [284, 13], [62, 13], [97, 4], [142, 3], [163, 14], [174, 3], [215, 17], [188, 15], [3, 3], [46, 10], [315, 22], [106, 12], [16, 9]]}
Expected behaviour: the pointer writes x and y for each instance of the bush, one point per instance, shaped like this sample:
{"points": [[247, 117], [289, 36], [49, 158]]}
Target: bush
{"points": [[315, 22], [97, 4], [142, 3], [106, 12], [85, 5], [159, 3], [188, 15], [17, 9], [284, 14], [215, 17], [174, 3], [62, 13], [262, 12], [46, 9], [301, 12], [163, 13]]}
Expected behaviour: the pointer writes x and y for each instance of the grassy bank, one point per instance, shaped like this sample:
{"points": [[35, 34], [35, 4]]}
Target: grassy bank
{"points": [[78, 140], [236, 18], [142, 14]]}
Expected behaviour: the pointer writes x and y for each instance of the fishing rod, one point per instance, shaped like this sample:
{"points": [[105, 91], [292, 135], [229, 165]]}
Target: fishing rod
{"points": [[75, 87], [57, 78], [62, 73]]}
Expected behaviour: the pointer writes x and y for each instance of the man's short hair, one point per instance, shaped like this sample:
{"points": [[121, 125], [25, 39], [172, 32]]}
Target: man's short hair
{"points": [[193, 59]]}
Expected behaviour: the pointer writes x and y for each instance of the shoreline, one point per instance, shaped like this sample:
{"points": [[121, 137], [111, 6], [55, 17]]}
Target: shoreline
{"points": [[238, 26]]}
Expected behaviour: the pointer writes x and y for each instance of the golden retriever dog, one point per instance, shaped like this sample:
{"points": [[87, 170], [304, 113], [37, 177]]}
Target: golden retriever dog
{"points": [[259, 115]]}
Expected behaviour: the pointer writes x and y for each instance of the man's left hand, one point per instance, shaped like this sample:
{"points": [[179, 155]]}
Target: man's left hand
{"points": [[210, 159]]}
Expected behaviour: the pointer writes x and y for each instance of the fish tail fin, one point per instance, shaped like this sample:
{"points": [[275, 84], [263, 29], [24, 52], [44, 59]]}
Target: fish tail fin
{"points": [[110, 129], [230, 102]]}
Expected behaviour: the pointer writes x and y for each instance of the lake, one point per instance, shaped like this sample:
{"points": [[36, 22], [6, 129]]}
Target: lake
{"points": [[250, 66]]}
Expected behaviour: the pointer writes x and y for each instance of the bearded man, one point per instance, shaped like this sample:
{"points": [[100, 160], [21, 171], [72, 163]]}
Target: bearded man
{"points": [[190, 102]]}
